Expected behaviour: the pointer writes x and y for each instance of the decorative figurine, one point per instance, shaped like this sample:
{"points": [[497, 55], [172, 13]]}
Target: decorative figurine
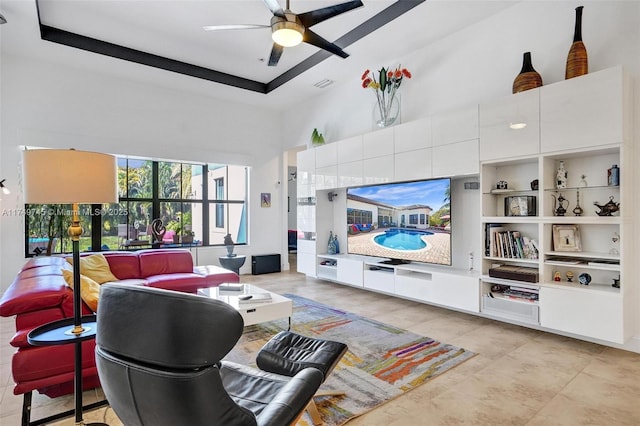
{"points": [[557, 276], [157, 230], [583, 183], [614, 244], [584, 278], [569, 276], [228, 242], [534, 185], [607, 209], [616, 282], [577, 210], [561, 176], [559, 206], [502, 184]]}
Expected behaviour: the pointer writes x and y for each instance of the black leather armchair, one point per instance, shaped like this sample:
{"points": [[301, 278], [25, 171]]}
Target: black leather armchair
{"points": [[159, 357]]}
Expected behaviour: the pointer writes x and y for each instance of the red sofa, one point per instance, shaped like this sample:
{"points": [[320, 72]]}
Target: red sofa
{"points": [[39, 294]]}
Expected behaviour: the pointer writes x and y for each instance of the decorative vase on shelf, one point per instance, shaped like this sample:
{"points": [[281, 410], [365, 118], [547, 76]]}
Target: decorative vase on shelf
{"points": [[528, 77], [331, 246], [561, 176], [577, 60]]}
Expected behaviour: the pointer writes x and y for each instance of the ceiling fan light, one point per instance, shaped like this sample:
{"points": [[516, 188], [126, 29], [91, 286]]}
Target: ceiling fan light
{"points": [[287, 33]]}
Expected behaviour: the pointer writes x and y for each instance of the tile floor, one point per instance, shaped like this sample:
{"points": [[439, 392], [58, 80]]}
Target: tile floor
{"points": [[520, 376]]}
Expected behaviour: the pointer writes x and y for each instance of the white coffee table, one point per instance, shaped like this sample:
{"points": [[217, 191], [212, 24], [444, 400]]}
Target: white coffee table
{"points": [[253, 313]]}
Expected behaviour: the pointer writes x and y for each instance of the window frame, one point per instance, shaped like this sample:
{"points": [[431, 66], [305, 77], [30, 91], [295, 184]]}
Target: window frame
{"points": [[96, 225]]}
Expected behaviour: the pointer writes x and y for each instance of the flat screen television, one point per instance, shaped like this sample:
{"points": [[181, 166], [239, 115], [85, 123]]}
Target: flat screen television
{"points": [[401, 221]]}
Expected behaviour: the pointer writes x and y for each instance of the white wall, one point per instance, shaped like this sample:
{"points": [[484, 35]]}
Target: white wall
{"points": [[50, 105], [479, 64]]}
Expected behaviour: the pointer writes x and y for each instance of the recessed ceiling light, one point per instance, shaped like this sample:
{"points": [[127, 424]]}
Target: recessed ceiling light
{"points": [[518, 126], [323, 83]]}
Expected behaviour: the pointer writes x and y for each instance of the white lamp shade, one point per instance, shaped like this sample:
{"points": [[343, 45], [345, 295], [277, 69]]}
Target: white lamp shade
{"points": [[57, 176]]}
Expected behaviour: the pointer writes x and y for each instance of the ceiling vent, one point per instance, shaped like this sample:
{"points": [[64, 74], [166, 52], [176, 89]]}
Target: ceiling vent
{"points": [[323, 83]]}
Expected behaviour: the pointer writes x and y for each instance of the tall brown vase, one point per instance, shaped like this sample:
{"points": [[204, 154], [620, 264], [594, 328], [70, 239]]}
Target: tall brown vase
{"points": [[577, 60], [528, 77]]}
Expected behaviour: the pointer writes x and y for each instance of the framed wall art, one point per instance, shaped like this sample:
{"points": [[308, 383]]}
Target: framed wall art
{"points": [[265, 199], [566, 238]]}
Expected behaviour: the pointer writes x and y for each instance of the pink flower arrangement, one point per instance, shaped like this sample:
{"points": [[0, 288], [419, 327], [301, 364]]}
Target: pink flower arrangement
{"points": [[385, 86]]}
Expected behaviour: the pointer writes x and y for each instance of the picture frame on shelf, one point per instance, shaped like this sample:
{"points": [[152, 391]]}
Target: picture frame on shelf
{"points": [[520, 205], [566, 238]]}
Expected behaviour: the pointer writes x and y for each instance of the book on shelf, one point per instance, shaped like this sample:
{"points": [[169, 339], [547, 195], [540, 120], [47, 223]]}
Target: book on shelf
{"points": [[509, 244], [604, 262], [522, 299], [255, 298], [563, 261], [525, 289]]}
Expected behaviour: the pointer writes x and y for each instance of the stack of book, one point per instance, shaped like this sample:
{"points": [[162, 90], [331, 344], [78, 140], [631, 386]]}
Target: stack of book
{"points": [[525, 294], [503, 242]]}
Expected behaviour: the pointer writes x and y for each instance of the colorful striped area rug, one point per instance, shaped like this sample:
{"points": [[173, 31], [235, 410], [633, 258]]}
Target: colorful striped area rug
{"points": [[382, 363]]}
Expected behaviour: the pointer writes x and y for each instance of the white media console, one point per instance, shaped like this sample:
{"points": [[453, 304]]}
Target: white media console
{"points": [[447, 287]]}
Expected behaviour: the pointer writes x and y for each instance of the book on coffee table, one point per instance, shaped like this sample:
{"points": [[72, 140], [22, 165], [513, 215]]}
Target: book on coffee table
{"points": [[231, 287]]}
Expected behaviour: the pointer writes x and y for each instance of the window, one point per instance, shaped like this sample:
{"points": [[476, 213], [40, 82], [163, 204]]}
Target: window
{"points": [[186, 197], [423, 218], [413, 219], [228, 206], [356, 216]]}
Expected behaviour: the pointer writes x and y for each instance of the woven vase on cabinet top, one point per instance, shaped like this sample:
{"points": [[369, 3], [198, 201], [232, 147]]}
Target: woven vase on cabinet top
{"points": [[528, 77], [577, 59]]}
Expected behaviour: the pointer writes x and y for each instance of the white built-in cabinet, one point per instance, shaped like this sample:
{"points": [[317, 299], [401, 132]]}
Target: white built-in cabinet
{"points": [[510, 126], [585, 122]]}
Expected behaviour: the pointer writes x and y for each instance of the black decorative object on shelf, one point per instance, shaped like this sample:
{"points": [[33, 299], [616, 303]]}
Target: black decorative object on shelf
{"points": [[584, 278], [559, 206], [607, 209]]}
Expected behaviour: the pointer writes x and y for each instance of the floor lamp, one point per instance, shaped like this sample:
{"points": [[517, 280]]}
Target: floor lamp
{"points": [[53, 176]]}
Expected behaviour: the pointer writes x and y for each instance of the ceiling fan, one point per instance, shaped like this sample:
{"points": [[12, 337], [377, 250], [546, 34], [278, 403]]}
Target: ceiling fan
{"points": [[290, 29]]}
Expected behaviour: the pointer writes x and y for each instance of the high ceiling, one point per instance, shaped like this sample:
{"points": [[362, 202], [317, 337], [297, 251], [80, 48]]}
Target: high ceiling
{"points": [[173, 29]]}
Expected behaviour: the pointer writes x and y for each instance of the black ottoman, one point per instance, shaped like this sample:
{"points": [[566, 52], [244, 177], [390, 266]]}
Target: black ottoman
{"points": [[287, 353]]}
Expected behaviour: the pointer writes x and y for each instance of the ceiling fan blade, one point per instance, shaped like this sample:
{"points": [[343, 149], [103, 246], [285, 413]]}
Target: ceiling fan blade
{"points": [[316, 16], [313, 38], [234, 27], [276, 52], [274, 7]]}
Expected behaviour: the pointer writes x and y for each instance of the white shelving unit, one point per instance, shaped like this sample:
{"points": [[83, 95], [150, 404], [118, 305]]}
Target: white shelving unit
{"points": [[586, 123], [596, 310]]}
